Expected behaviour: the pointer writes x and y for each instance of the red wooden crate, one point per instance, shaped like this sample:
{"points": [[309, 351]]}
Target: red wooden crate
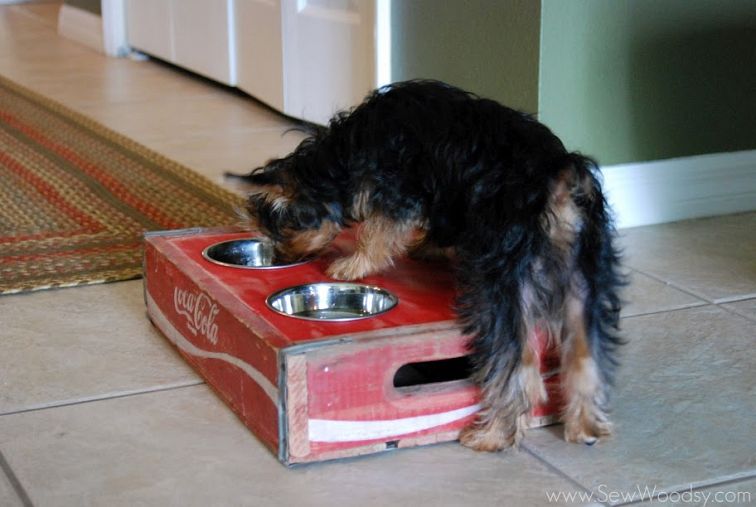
{"points": [[315, 390]]}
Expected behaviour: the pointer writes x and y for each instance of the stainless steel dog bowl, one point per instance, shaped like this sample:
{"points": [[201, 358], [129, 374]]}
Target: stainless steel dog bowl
{"points": [[332, 301], [244, 253]]}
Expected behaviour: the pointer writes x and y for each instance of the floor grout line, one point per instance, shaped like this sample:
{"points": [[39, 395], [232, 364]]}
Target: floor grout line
{"points": [[671, 310], [674, 285], [556, 470], [733, 311], [696, 486], [687, 306], [690, 292], [15, 483], [102, 398], [735, 299]]}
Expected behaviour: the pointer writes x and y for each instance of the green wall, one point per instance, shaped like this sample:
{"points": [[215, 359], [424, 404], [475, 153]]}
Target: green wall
{"points": [[636, 80], [489, 47]]}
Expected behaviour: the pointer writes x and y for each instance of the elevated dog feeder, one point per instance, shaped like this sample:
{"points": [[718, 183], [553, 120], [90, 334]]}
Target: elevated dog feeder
{"points": [[318, 369]]}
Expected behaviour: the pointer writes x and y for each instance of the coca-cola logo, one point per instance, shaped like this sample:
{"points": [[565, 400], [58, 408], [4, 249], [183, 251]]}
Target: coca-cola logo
{"points": [[200, 312]]}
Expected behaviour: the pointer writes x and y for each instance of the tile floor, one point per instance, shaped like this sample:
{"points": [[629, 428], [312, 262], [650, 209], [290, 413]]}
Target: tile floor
{"points": [[97, 409]]}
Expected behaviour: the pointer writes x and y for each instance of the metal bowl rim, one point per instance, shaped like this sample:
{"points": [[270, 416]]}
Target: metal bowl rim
{"points": [[374, 288], [207, 257]]}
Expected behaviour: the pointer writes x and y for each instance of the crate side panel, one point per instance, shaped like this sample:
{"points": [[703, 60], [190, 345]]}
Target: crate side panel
{"points": [[354, 408], [235, 362]]}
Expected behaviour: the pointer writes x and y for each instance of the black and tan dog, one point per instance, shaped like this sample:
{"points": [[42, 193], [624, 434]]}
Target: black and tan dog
{"points": [[527, 223]]}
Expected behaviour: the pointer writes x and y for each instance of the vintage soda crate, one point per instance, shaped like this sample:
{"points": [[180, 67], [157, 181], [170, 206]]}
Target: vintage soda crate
{"points": [[315, 390]]}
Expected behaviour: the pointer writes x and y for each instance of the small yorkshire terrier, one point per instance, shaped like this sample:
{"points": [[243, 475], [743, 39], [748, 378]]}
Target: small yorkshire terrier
{"points": [[424, 167]]}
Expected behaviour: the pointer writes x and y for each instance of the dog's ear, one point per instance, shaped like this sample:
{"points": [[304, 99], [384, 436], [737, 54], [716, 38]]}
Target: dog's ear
{"points": [[270, 196], [265, 183], [267, 210]]}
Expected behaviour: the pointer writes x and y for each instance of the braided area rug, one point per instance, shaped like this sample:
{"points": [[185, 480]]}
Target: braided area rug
{"points": [[76, 198]]}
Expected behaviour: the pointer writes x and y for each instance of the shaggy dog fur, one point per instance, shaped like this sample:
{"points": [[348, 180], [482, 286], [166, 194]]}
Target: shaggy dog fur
{"points": [[425, 167]]}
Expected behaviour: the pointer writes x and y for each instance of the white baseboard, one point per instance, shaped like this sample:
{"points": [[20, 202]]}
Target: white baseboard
{"points": [[661, 191], [82, 26]]}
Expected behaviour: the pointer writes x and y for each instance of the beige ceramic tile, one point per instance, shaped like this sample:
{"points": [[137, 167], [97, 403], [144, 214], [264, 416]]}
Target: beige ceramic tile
{"points": [[184, 447], [107, 82], [28, 45], [60, 346], [714, 258], [746, 308], [684, 406], [647, 295], [32, 16], [121, 93], [42, 11], [24, 48], [176, 119], [236, 151]]}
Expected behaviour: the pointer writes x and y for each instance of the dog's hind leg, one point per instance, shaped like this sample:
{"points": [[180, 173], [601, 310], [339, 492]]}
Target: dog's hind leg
{"points": [[501, 312], [507, 399], [380, 240], [583, 386]]}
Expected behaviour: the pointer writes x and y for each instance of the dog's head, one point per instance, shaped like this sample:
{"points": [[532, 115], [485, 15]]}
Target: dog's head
{"points": [[299, 223]]}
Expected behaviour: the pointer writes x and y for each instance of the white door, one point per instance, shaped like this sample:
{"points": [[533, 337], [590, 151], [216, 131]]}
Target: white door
{"points": [[149, 27], [306, 58], [259, 50], [195, 34], [329, 55], [202, 37]]}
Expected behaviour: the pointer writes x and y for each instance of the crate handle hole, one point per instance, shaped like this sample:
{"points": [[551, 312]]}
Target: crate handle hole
{"points": [[433, 372]]}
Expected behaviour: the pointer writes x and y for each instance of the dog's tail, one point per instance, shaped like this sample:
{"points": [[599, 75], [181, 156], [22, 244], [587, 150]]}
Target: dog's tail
{"points": [[598, 260]]}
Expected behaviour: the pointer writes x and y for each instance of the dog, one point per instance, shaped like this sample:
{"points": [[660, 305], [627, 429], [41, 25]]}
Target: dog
{"points": [[426, 168]]}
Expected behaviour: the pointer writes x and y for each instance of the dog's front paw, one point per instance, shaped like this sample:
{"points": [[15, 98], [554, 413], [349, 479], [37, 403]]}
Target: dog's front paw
{"points": [[347, 268], [485, 438]]}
